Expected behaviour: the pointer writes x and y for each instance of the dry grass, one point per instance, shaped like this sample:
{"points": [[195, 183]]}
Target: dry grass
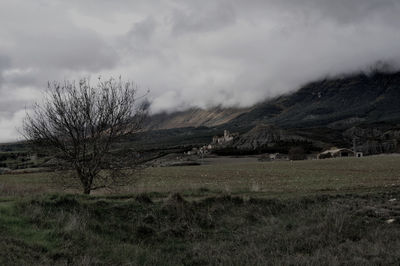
{"points": [[276, 213], [277, 178], [243, 177]]}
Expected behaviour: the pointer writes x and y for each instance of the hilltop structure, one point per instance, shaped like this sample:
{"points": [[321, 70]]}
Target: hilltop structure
{"points": [[225, 139], [217, 141]]}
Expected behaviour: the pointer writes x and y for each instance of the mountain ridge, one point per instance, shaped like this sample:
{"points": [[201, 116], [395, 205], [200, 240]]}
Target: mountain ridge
{"points": [[194, 117], [336, 102], [321, 114]]}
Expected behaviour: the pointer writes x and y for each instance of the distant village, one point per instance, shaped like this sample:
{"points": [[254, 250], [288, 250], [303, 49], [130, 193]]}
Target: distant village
{"points": [[228, 138], [217, 142]]}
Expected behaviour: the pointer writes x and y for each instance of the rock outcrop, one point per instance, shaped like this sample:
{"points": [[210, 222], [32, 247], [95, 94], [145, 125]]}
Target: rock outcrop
{"points": [[264, 136], [375, 139]]}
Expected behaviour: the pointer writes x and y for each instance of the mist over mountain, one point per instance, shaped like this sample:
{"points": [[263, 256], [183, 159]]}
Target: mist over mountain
{"points": [[321, 114], [335, 103]]}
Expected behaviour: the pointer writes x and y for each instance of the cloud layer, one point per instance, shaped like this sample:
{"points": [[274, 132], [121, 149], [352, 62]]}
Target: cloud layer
{"points": [[189, 52]]}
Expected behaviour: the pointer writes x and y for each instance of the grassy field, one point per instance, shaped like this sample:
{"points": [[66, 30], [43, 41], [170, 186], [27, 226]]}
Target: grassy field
{"points": [[228, 212], [243, 176], [279, 178]]}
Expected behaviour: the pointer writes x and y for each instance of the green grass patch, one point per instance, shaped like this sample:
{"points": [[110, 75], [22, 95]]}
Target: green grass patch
{"points": [[68, 229]]}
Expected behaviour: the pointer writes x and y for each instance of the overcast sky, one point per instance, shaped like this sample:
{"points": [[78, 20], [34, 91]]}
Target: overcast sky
{"points": [[189, 52]]}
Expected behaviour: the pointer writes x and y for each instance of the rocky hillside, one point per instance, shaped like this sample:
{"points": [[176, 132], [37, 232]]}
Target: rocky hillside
{"points": [[194, 117], [265, 135], [335, 103], [375, 138], [327, 112]]}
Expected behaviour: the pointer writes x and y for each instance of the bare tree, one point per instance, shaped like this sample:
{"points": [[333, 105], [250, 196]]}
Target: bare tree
{"points": [[80, 123]]}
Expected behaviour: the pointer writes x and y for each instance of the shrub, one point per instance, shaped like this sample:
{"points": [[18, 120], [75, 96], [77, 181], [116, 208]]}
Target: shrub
{"points": [[297, 153]]}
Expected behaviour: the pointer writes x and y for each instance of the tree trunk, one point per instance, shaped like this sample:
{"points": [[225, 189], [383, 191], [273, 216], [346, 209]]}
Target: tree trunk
{"points": [[86, 184], [86, 190]]}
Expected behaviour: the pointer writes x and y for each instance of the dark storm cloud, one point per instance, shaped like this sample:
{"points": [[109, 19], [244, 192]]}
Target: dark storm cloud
{"points": [[190, 52]]}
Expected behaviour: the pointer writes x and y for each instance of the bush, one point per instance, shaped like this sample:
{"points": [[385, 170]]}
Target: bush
{"points": [[325, 156], [297, 153]]}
